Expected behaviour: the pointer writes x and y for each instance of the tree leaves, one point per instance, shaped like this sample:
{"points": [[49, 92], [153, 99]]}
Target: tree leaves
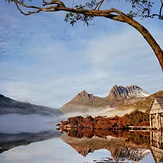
{"points": [[141, 8], [72, 18]]}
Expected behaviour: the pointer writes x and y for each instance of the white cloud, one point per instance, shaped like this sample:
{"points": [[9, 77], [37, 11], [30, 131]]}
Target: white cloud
{"points": [[117, 48], [46, 61]]}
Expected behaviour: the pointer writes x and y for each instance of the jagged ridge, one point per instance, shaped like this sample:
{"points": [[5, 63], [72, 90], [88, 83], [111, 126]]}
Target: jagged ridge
{"points": [[118, 96], [127, 92]]}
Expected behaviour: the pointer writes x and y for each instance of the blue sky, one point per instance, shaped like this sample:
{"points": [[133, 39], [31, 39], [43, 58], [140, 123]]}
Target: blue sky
{"points": [[46, 61]]}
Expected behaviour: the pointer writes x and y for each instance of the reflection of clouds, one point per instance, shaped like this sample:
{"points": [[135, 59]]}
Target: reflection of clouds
{"points": [[55, 150], [50, 151]]}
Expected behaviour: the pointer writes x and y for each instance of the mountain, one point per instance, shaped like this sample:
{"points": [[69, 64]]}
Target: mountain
{"points": [[120, 92], [118, 96], [10, 106], [84, 101], [142, 104]]}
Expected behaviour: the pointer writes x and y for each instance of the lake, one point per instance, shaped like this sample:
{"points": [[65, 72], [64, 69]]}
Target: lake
{"points": [[35, 139]]}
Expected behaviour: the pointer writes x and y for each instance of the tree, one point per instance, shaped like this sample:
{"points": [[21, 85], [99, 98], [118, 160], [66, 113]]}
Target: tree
{"points": [[86, 12]]}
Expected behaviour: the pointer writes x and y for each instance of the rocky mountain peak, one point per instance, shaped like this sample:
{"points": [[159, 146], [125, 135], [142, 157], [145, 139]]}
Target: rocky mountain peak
{"points": [[118, 96], [84, 95], [120, 92]]}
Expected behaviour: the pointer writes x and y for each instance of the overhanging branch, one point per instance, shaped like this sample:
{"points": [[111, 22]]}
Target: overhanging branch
{"points": [[53, 8], [112, 13], [34, 9]]}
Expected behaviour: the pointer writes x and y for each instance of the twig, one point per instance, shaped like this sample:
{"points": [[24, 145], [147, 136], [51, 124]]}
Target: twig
{"points": [[98, 5]]}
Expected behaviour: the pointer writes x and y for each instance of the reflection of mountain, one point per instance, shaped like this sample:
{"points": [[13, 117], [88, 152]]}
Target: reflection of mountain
{"points": [[10, 106], [119, 147], [8, 141]]}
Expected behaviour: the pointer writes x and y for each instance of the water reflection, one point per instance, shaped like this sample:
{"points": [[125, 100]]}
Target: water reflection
{"points": [[123, 145], [156, 142], [17, 130], [9, 141], [81, 146]]}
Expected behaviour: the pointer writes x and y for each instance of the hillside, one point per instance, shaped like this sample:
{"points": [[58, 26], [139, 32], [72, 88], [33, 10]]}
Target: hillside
{"points": [[144, 104], [10, 106], [117, 97], [84, 101]]}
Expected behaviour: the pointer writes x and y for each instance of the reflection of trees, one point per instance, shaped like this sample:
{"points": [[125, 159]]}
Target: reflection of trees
{"points": [[80, 132], [138, 138], [149, 140], [121, 148]]}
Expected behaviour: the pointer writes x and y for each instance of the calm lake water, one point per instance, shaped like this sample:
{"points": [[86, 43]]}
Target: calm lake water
{"points": [[34, 139]]}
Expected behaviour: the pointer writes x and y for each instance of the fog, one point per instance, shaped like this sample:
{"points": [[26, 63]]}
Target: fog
{"points": [[25, 138], [35, 123], [32, 123], [94, 112]]}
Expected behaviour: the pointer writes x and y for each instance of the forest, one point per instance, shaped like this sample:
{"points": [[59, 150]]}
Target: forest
{"points": [[135, 118]]}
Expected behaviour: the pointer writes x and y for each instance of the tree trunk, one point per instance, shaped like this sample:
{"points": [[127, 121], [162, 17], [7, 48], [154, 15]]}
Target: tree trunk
{"points": [[149, 38]]}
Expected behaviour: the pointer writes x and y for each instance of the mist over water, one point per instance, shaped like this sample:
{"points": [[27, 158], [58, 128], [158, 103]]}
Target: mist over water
{"points": [[32, 123], [34, 138]]}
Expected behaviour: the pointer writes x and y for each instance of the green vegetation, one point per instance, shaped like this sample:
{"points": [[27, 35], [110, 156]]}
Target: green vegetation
{"points": [[136, 118]]}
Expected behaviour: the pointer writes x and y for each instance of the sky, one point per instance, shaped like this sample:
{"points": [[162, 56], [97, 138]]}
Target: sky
{"points": [[46, 61]]}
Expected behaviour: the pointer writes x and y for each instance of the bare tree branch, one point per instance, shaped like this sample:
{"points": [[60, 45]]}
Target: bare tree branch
{"points": [[35, 9], [53, 8]]}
